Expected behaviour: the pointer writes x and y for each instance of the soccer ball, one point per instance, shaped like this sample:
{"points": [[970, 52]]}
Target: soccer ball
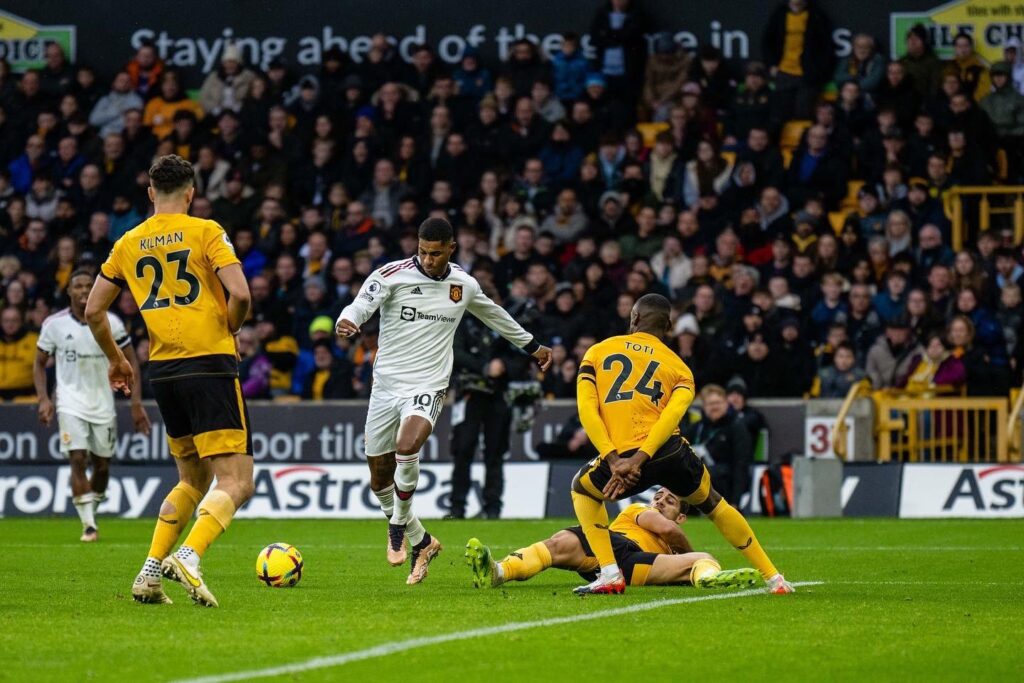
{"points": [[279, 565]]}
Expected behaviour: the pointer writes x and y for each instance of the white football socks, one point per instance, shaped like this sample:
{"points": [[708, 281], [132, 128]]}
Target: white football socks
{"points": [[86, 511], [407, 475]]}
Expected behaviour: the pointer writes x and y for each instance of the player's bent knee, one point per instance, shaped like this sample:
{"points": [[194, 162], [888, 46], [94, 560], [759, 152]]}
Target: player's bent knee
{"points": [[562, 546], [711, 502]]}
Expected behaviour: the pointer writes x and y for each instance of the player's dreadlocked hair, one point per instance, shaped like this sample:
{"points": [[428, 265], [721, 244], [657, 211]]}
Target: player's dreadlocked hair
{"points": [[436, 230], [171, 173]]}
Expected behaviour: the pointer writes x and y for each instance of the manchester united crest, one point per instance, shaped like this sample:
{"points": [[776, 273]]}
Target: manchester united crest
{"points": [[455, 293]]}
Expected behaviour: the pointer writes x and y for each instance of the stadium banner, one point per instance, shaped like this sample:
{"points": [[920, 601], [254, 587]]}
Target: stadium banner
{"points": [[324, 432], [947, 490], [871, 489], [300, 31], [282, 491]]}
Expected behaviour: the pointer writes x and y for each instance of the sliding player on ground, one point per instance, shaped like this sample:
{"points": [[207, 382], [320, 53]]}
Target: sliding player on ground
{"points": [[632, 392], [648, 543], [421, 301], [84, 404], [177, 269]]}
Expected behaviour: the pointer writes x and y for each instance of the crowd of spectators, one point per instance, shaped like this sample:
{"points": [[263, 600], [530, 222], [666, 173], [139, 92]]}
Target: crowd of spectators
{"points": [[576, 183]]}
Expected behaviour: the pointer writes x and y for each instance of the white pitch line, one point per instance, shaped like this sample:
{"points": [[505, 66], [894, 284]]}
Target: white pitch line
{"points": [[403, 645]]}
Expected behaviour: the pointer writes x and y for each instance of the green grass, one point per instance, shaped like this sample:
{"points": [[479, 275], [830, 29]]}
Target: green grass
{"points": [[910, 600]]}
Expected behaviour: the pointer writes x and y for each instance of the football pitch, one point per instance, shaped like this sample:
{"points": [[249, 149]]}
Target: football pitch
{"points": [[882, 599]]}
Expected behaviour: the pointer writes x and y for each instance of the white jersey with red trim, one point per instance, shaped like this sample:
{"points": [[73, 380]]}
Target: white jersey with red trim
{"points": [[418, 318], [82, 386]]}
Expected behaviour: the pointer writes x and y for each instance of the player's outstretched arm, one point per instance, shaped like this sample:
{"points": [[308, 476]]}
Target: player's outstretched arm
{"points": [[372, 295], [42, 391], [103, 294], [239, 298], [498, 319]]}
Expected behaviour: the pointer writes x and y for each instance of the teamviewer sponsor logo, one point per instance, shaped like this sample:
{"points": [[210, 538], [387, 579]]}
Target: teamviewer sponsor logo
{"points": [[408, 313], [435, 317]]}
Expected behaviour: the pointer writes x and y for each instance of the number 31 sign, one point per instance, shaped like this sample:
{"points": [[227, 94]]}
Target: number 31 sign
{"points": [[818, 436]]}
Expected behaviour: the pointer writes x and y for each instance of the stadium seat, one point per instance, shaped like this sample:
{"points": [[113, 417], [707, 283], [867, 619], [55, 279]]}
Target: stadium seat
{"points": [[850, 200], [649, 131], [729, 156], [789, 139], [837, 219]]}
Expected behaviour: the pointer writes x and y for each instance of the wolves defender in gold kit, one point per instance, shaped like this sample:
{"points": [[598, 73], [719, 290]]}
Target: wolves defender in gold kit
{"points": [[632, 392], [177, 269]]}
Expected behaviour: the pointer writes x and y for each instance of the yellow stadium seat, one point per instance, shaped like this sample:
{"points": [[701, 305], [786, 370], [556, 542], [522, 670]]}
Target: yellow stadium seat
{"points": [[836, 219], [649, 131], [791, 134], [850, 200], [1002, 165], [787, 157], [729, 157]]}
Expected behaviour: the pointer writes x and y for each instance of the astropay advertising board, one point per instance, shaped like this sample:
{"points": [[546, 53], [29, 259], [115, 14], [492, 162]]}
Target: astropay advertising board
{"points": [[309, 491], [941, 490]]}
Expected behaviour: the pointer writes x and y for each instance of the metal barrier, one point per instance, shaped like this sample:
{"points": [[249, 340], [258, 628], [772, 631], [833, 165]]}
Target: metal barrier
{"points": [[861, 388], [986, 210], [911, 429], [1013, 424]]}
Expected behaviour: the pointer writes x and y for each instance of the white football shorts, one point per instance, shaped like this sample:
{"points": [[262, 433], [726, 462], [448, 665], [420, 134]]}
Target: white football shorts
{"points": [[77, 434], [387, 410]]}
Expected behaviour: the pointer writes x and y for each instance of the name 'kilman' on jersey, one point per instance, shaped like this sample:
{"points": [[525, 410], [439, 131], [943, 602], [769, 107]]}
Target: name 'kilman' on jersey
{"points": [[418, 318]]}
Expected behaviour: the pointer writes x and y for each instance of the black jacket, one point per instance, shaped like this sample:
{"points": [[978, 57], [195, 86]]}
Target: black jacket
{"points": [[729, 445]]}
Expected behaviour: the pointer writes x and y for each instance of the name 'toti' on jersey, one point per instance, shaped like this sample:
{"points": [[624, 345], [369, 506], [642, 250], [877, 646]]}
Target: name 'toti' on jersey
{"points": [[418, 318], [82, 386]]}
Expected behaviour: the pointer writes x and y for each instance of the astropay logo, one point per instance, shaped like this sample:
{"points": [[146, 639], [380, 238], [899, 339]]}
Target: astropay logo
{"points": [[992, 490]]}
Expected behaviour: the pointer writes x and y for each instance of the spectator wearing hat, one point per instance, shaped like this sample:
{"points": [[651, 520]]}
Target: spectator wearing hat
{"points": [[890, 356], [1005, 107], [798, 49], [609, 113], [321, 328], [332, 78], [920, 62], [227, 86], [108, 114], [472, 78], [160, 110], [864, 65], [666, 71], [715, 79], [723, 442], [750, 417], [751, 105], [569, 68]]}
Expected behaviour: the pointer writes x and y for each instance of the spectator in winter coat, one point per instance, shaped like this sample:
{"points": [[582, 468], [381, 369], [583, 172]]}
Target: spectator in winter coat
{"points": [[666, 72], [935, 370], [890, 356], [108, 114], [864, 64], [722, 439], [228, 86], [569, 68], [835, 380]]}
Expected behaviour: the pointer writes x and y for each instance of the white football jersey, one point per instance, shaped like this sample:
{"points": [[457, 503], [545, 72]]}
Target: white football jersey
{"points": [[418, 318], [83, 389]]}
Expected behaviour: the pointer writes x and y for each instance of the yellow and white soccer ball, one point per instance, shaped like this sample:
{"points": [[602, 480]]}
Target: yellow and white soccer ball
{"points": [[279, 565]]}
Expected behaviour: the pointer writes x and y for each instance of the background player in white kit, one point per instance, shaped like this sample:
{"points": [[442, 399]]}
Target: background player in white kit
{"points": [[85, 405], [421, 301]]}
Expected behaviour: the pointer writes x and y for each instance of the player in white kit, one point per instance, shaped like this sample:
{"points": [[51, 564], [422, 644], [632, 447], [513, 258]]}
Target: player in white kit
{"points": [[85, 405], [421, 301]]}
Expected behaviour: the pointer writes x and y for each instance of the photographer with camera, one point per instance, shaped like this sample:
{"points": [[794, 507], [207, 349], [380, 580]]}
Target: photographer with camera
{"points": [[493, 388]]}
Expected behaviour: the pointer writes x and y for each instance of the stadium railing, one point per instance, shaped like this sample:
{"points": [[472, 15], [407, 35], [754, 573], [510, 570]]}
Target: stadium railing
{"points": [[986, 210], [1013, 425], [916, 428]]}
